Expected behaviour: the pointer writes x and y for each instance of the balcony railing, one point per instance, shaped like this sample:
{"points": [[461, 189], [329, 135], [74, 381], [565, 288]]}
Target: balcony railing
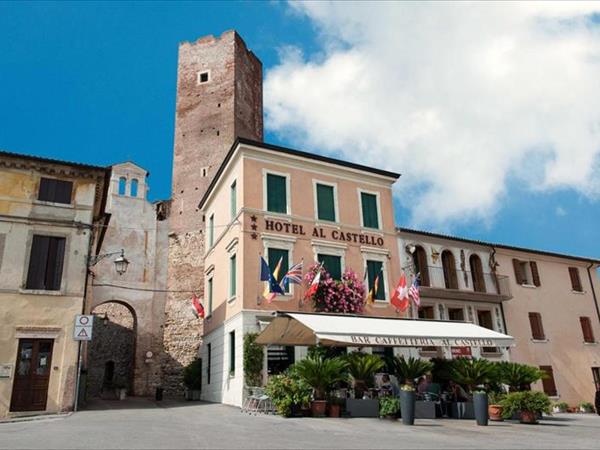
{"points": [[462, 284]]}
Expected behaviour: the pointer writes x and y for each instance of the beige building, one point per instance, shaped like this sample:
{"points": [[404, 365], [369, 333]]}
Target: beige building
{"points": [[48, 213]]}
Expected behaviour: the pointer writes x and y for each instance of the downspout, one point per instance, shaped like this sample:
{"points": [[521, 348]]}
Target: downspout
{"points": [[593, 290]]}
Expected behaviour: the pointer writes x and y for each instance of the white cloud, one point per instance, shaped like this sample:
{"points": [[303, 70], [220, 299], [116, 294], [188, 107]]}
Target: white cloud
{"points": [[460, 98]]}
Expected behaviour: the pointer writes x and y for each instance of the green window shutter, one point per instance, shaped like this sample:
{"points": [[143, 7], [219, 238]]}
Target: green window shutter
{"points": [[233, 200], [209, 295], [232, 276], [232, 352], [275, 254], [332, 264], [375, 268], [325, 202], [276, 193], [211, 230], [369, 210]]}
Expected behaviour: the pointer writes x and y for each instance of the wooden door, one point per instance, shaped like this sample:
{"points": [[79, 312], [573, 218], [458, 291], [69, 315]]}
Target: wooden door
{"points": [[32, 374]]}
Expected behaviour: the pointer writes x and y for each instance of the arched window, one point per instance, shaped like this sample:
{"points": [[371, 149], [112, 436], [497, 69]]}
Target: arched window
{"points": [[449, 265], [477, 273], [122, 185], [420, 262], [134, 188]]}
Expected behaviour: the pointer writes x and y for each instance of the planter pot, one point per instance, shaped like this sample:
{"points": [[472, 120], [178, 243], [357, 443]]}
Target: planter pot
{"points": [[407, 407], [318, 408], [480, 408], [495, 413], [528, 417], [362, 407], [425, 410], [390, 417], [334, 410], [305, 412]]}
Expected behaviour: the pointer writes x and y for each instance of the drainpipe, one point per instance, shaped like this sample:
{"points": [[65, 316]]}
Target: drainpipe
{"points": [[593, 290]]}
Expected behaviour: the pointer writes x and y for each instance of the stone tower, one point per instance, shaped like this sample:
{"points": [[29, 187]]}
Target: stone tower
{"points": [[219, 98]]}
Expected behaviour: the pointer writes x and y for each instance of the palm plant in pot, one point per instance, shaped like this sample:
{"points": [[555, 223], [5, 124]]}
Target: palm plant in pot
{"points": [[321, 374], [474, 373], [361, 368], [495, 406], [527, 404], [407, 370], [517, 376]]}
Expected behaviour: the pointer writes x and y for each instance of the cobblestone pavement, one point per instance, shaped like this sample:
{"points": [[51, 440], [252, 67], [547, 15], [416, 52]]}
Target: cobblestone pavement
{"points": [[141, 423]]}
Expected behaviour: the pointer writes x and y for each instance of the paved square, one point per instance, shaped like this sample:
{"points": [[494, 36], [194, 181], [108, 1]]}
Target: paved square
{"points": [[140, 423]]}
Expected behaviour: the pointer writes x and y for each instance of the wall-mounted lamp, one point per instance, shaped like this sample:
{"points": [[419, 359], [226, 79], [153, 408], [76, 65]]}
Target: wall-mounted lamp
{"points": [[121, 263], [410, 248]]}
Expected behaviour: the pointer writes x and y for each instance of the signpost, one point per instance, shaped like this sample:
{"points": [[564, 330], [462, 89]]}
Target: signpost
{"points": [[82, 331]]}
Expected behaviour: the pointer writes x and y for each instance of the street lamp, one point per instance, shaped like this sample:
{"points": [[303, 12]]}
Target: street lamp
{"points": [[121, 263]]}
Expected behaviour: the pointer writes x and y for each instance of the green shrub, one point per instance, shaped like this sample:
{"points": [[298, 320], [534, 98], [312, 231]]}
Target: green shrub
{"points": [[531, 401], [287, 390], [495, 398], [562, 406], [321, 374], [389, 406], [361, 368], [472, 372], [192, 375], [518, 376], [409, 369], [586, 407], [253, 360]]}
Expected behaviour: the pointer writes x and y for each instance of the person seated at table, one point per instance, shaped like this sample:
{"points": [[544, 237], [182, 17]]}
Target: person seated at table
{"points": [[457, 392], [423, 385], [433, 388], [388, 386]]}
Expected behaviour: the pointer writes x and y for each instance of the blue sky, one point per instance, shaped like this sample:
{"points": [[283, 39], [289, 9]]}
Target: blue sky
{"points": [[95, 83]]}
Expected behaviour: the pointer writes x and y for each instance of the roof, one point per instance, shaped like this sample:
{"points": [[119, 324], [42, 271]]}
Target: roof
{"points": [[52, 161], [493, 244], [292, 152]]}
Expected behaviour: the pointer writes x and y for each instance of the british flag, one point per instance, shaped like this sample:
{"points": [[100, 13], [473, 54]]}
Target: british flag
{"points": [[413, 291], [294, 274]]}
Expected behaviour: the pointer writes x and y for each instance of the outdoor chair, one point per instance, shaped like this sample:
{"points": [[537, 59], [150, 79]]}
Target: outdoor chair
{"points": [[257, 401]]}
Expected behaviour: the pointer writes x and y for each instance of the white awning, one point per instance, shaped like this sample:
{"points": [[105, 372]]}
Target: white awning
{"points": [[356, 331]]}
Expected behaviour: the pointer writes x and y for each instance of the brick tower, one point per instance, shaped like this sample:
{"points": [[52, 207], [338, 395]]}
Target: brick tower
{"points": [[219, 98]]}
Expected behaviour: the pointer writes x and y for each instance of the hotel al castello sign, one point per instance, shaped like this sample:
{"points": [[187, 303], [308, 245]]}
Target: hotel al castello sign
{"points": [[317, 232]]}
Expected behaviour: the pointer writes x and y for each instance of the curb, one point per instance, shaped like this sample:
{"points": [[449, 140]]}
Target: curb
{"points": [[35, 418]]}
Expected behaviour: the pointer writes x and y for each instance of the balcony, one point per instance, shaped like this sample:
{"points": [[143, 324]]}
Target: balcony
{"points": [[487, 287]]}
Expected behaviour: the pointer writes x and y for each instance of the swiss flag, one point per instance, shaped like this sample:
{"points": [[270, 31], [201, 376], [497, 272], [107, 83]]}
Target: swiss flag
{"points": [[197, 307], [400, 297]]}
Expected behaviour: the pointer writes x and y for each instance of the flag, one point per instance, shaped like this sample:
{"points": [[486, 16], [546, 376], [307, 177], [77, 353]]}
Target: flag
{"points": [[400, 297], [373, 290], [294, 275], [413, 291], [265, 272], [315, 283], [197, 307], [272, 287]]}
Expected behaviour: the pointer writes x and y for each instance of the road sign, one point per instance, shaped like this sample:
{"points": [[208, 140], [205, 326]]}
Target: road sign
{"points": [[83, 327]]}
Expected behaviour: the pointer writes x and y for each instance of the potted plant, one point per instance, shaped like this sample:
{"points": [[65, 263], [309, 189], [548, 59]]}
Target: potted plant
{"points": [[474, 373], [560, 407], [517, 376], [495, 407], [389, 406], [527, 404], [337, 296], [253, 360], [334, 406], [192, 380], [288, 392], [361, 368], [586, 407], [407, 370], [321, 374]]}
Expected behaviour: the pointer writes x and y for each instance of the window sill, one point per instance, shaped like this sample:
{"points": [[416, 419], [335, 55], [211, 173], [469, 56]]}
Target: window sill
{"points": [[539, 341], [491, 353], [380, 304], [327, 223], [590, 343], [54, 204], [529, 286], [231, 299], [41, 292], [277, 215], [577, 292], [377, 231]]}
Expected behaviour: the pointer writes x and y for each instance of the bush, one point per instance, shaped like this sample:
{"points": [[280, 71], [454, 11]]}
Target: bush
{"points": [[389, 406], [518, 376], [362, 367], [586, 407], [495, 398], [407, 370], [337, 296], [531, 401], [561, 406], [253, 360], [321, 374], [472, 372], [287, 390], [192, 375]]}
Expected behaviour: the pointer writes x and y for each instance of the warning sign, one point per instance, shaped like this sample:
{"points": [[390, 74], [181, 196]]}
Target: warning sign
{"points": [[83, 327]]}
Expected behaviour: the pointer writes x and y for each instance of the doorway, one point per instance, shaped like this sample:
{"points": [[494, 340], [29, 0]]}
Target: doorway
{"points": [[32, 375]]}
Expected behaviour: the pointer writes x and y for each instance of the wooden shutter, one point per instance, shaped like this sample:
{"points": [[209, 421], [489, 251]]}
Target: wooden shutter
{"points": [[422, 268], [548, 381], [575, 280], [369, 210], [36, 275], [375, 268], [276, 193], [332, 264], [537, 329], [54, 268], [586, 328], [519, 275], [534, 273], [325, 202], [53, 190]]}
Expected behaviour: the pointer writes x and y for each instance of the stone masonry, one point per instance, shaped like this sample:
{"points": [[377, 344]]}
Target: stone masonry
{"points": [[219, 98]]}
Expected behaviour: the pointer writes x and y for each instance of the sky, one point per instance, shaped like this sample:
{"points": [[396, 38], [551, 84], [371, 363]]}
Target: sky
{"points": [[491, 112]]}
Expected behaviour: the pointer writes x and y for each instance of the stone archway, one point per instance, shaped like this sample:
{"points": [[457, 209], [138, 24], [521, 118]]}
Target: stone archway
{"points": [[111, 354]]}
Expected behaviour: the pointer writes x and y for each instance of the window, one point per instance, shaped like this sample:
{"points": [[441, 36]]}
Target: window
{"points": [[46, 263], [122, 185], [375, 268], [485, 320], [426, 312], [233, 200], [332, 264], [211, 230], [209, 295], [202, 77], [325, 202], [449, 267], [385, 353], [596, 377], [456, 314], [57, 191], [208, 364], [537, 329], [548, 382], [276, 193], [420, 262], [370, 212], [279, 358], [133, 190], [526, 272], [586, 328], [275, 255], [232, 276], [575, 280], [477, 273], [232, 352]]}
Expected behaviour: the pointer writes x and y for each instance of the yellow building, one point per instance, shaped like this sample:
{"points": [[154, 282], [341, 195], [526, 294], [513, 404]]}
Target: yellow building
{"points": [[48, 213]]}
